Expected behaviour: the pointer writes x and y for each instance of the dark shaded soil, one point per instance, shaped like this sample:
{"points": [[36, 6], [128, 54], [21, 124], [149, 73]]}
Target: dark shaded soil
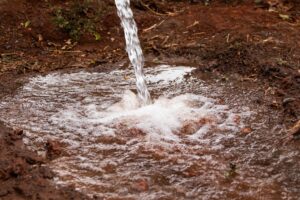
{"points": [[23, 174], [231, 39]]}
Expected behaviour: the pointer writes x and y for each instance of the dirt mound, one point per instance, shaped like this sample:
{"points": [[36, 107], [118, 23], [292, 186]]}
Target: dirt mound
{"points": [[23, 174], [279, 72]]}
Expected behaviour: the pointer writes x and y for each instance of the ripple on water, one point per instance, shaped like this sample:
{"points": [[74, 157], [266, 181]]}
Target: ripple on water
{"points": [[175, 147]]}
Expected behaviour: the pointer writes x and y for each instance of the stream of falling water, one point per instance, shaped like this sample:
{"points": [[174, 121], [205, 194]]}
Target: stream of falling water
{"points": [[133, 48], [183, 145]]}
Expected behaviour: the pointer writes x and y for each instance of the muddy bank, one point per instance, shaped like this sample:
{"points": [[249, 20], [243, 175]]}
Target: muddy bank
{"points": [[23, 174]]}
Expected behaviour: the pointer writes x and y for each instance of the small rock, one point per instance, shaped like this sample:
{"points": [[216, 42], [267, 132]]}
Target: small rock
{"points": [[190, 127], [246, 130], [274, 104], [237, 119], [110, 168], [53, 149], [16, 134], [40, 37], [141, 185], [18, 168], [295, 130], [231, 172], [32, 159]]}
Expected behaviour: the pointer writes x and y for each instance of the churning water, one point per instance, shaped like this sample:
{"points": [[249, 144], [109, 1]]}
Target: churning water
{"points": [[133, 48], [113, 146]]}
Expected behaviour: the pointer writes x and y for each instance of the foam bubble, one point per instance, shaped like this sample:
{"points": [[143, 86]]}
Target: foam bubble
{"points": [[164, 76], [101, 121], [162, 120]]}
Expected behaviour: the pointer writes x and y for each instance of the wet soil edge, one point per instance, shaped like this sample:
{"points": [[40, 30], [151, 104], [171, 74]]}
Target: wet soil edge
{"points": [[24, 174]]}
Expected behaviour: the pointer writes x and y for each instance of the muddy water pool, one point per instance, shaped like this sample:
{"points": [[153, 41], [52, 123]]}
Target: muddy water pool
{"points": [[196, 141]]}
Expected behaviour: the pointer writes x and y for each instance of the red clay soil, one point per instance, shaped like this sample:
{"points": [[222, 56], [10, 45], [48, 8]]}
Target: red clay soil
{"points": [[222, 39], [23, 174]]}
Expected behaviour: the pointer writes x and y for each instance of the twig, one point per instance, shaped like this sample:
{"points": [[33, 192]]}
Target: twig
{"points": [[228, 38], [157, 13], [62, 51], [165, 40], [194, 24], [151, 10], [8, 54], [172, 45], [154, 26], [200, 33]]}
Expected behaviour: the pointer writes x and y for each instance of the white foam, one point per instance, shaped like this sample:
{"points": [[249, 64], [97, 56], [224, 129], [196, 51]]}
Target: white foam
{"points": [[80, 108], [159, 120], [163, 76]]}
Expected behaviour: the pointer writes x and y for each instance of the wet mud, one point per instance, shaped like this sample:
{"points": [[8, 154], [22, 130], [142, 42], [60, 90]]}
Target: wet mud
{"points": [[24, 174]]}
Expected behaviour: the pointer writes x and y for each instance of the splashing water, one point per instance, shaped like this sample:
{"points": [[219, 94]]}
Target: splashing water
{"points": [[178, 147], [112, 144], [133, 48]]}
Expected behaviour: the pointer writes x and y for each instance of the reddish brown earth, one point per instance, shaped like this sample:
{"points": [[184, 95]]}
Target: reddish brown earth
{"points": [[230, 40], [23, 174]]}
